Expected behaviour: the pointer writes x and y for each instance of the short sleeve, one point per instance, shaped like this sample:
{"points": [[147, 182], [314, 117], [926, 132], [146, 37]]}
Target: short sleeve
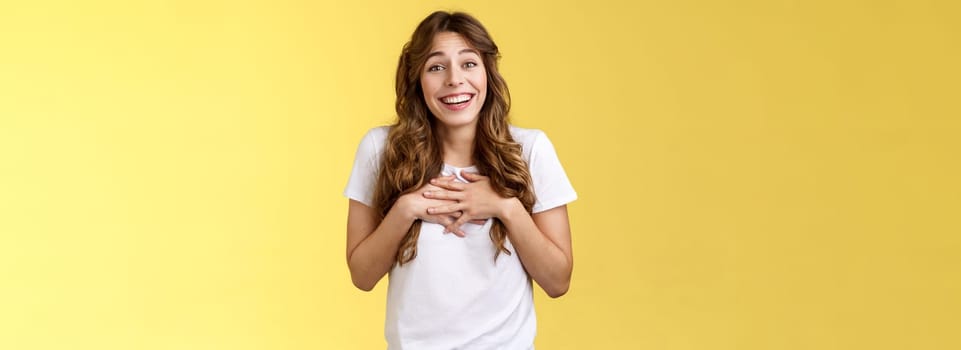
{"points": [[360, 185], [551, 185]]}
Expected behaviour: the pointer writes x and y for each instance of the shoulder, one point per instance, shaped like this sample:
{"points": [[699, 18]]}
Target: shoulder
{"points": [[366, 166], [533, 141], [376, 136], [371, 146], [373, 141], [525, 136], [529, 139], [551, 185]]}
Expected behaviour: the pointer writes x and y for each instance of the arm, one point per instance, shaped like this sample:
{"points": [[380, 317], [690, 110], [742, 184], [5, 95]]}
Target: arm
{"points": [[542, 241], [372, 246]]}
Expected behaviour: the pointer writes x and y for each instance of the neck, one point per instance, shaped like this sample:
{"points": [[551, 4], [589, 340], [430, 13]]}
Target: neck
{"points": [[458, 145]]}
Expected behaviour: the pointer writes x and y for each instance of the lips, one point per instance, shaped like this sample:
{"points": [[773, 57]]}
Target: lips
{"points": [[456, 102], [456, 98]]}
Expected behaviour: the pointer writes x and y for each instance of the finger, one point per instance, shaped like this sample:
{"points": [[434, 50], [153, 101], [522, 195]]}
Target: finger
{"points": [[478, 221], [446, 209], [448, 184], [455, 227], [445, 178], [431, 187], [441, 181], [447, 220], [472, 176], [432, 184], [443, 220], [436, 203], [441, 194]]}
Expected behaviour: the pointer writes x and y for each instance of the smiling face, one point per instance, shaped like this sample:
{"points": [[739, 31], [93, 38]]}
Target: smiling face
{"points": [[454, 81]]}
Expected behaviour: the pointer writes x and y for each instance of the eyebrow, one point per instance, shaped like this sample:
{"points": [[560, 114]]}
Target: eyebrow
{"points": [[468, 50]]}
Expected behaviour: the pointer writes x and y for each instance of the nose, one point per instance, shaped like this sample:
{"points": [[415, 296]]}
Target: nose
{"points": [[455, 77]]}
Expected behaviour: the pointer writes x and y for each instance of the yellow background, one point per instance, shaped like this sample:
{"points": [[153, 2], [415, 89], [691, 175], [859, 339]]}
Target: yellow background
{"points": [[752, 174]]}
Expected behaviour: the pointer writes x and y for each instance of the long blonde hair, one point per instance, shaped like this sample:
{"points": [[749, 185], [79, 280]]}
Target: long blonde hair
{"points": [[413, 154]]}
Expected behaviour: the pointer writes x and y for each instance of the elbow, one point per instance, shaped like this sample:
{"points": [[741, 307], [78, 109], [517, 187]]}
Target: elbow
{"points": [[559, 290], [560, 286], [362, 285], [359, 279]]}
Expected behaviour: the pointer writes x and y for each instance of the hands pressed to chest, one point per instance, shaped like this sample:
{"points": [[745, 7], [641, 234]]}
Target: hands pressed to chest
{"points": [[451, 203]]}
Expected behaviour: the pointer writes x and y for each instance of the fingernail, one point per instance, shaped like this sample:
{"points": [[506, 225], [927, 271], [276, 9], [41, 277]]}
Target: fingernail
{"points": [[430, 210], [428, 194]]}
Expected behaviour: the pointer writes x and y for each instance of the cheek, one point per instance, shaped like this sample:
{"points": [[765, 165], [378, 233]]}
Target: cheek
{"points": [[481, 79], [481, 85], [428, 86]]}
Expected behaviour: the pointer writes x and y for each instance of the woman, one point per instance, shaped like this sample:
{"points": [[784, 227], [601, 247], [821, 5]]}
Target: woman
{"points": [[460, 207]]}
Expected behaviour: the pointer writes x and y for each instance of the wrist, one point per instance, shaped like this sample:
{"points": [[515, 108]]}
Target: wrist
{"points": [[403, 207], [511, 207]]}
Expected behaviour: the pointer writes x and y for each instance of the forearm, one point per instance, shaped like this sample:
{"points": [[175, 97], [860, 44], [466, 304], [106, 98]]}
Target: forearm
{"points": [[545, 261], [376, 254]]}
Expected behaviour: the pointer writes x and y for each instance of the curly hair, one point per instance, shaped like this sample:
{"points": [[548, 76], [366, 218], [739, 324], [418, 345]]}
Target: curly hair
{"points": [[413, 154]]}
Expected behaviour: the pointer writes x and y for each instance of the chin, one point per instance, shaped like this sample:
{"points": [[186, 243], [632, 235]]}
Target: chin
{"points": [[453, 121]]}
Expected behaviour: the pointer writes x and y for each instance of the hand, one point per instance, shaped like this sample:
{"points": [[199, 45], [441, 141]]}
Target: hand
{"points": [[417, 204], [475, 200]]}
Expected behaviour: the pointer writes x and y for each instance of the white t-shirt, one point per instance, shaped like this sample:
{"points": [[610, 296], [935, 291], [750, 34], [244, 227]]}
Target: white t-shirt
{"points": [[454, 295]]}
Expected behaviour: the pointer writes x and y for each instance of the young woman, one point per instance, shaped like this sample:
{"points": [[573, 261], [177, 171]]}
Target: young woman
{"points": [[460, 207]]}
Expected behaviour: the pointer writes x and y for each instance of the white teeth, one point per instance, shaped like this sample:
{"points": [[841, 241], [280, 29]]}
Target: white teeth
{"points": [[456, 98]]}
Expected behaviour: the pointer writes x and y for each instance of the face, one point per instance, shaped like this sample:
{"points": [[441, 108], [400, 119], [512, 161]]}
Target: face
{"points": [[454, 81]]}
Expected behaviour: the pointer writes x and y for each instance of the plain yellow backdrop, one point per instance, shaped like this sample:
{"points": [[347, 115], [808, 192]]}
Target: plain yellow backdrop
{"points": [[752, 174]]}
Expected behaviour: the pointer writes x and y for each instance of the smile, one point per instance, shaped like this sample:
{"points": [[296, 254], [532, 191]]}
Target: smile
{"points": [[457, 101]]}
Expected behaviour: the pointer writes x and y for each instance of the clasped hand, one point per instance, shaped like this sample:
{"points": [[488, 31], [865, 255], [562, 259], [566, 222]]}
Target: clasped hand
{"points": [[473, 201], [450, 203]]}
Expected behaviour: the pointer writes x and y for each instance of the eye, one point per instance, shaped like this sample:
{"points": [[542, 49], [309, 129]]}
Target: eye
{"points": [[435, 68], [470, 65]]}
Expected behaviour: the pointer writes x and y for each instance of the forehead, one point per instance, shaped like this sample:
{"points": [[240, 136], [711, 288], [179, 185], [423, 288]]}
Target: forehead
{"points": [[449, 43]]}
